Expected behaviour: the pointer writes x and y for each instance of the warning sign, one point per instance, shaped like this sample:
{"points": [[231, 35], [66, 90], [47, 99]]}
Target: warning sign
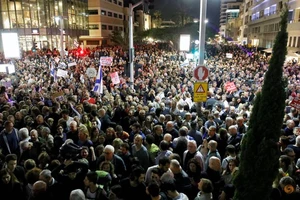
{"points": [[200, 91]]}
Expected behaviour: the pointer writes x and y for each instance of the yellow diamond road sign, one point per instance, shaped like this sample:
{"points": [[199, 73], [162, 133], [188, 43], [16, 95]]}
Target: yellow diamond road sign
{"points": [[200, 91]]}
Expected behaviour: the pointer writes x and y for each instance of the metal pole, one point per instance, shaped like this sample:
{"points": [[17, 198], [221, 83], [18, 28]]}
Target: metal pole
{"points": [[62, 50], [131, 48], [202, 26]]}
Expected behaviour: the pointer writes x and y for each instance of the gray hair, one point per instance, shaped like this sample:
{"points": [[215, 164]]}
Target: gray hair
{"points": [[109, 148], [46, 129], [77, 195], [46, 173], [23, 133]]}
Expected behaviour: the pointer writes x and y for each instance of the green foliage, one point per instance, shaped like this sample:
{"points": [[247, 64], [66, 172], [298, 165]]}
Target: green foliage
{"points": [[119, 39], [260, 154]]}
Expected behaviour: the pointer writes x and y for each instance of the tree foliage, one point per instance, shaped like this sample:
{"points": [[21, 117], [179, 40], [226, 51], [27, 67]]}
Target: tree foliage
{"points": [[260, 153]]}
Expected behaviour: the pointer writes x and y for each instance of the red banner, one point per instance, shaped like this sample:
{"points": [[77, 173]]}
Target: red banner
{"points": [[230, 87], [295, 103]]}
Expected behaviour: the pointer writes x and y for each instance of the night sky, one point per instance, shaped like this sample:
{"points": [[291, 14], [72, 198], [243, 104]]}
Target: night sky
{"points": [[170, 7]]}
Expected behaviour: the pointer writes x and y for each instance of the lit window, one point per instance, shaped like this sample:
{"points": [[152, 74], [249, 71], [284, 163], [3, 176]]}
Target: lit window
{"points": [[103, 12]]}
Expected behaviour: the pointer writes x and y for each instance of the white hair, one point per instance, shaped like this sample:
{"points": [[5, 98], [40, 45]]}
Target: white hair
{"points": [[298, 140], [109, 148], [23, 133], [77, 195]]}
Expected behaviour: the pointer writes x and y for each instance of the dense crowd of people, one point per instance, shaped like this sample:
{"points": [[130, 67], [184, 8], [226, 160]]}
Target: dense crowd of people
{"points": [[61, 140]]}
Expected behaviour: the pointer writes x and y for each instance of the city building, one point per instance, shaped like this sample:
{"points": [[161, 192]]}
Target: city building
{"points": [[264, 19], [105, 16], [39, 21], [229, 10], [142, 21]]}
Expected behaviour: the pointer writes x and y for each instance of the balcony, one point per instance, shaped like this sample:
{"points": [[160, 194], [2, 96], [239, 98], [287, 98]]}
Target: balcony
{"points": [[294, 26], [265, 17]]}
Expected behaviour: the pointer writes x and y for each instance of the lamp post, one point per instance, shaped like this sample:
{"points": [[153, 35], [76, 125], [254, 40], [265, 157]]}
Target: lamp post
{"points": [[202, 24], [131, 48], [60, 20]]}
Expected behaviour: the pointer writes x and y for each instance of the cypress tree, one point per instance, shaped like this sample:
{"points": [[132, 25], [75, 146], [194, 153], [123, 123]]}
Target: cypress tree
{"points": [[260, 153]]}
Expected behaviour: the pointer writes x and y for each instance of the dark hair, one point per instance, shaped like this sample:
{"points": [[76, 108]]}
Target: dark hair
{"points": [[150, 139], [117, 190], [33, 175], [10, 157], [230, 149], [92, 177], [207, 186], [285, 159], [163, 161], [125, 145], [153, 189], [136, 173], [164, 145]]}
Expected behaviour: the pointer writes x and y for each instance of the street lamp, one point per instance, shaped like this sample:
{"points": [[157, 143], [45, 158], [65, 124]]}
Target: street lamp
{"points": [[60, 20], [202, 23]]}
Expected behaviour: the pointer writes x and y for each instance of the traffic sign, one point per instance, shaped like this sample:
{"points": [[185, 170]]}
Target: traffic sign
{"points": [[201, 73], [200, 91]]}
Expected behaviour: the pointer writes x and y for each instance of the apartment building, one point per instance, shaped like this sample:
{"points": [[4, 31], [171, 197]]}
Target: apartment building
{"points": [[262, 22], [36, 21], [229, 10], [104, 16]]}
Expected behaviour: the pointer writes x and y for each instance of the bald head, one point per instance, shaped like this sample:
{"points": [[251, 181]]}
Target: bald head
{"points": [[39, 187]]}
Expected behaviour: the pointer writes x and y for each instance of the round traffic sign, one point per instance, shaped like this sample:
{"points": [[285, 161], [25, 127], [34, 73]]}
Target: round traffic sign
{"points": [[201, 73]]}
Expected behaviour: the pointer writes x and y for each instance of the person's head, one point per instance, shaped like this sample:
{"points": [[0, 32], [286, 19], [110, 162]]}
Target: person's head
{"points": [[124, 148], [288, 184], [73, 126], [290, 124], [107, 166], [117, 142], [232, 130], [169, 126], [175, 166], [8, 125], [153, 189], [65, 114], [192, 146], [84, 152], [168, 137], [164, 163], [136, 127], [116, 192], [11, 162], [34, 135], [183, 131], [212, 131], [39, 188], [290, 153], [23, 133], [232, 163], [205, 186], [240, 121], [194, 166], [83, 133], [149, 139], [5, 176], [77, 195], [298, 141], [108, 152], [29, 164], [214, 163], [90, 179], [45, 132], [230, 149], [164, 145], [33, 175], [138, 140], [284, 161], [46, 176], [212, 145]]}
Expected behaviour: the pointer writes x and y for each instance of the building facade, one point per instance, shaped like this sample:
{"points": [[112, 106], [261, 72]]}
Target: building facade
{"points": [[104, 16], [142, 21], [264, 19], [229, 10], [36, 21]]}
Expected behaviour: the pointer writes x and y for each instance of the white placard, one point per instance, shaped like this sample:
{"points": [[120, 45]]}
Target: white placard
{"points": [[10, 68], [185, 41], [91, 72], [106, 61], [72, 64], [115, 78], [10, 43], [61, 73], [229, 55]]}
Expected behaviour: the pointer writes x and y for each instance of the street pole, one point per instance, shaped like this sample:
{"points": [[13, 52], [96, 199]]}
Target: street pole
{"points": [[62, 50], [131, 47], [202, 27]]}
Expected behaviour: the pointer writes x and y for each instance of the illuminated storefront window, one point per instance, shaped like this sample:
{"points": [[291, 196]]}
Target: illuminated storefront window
{"points": [[35, 20]]}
